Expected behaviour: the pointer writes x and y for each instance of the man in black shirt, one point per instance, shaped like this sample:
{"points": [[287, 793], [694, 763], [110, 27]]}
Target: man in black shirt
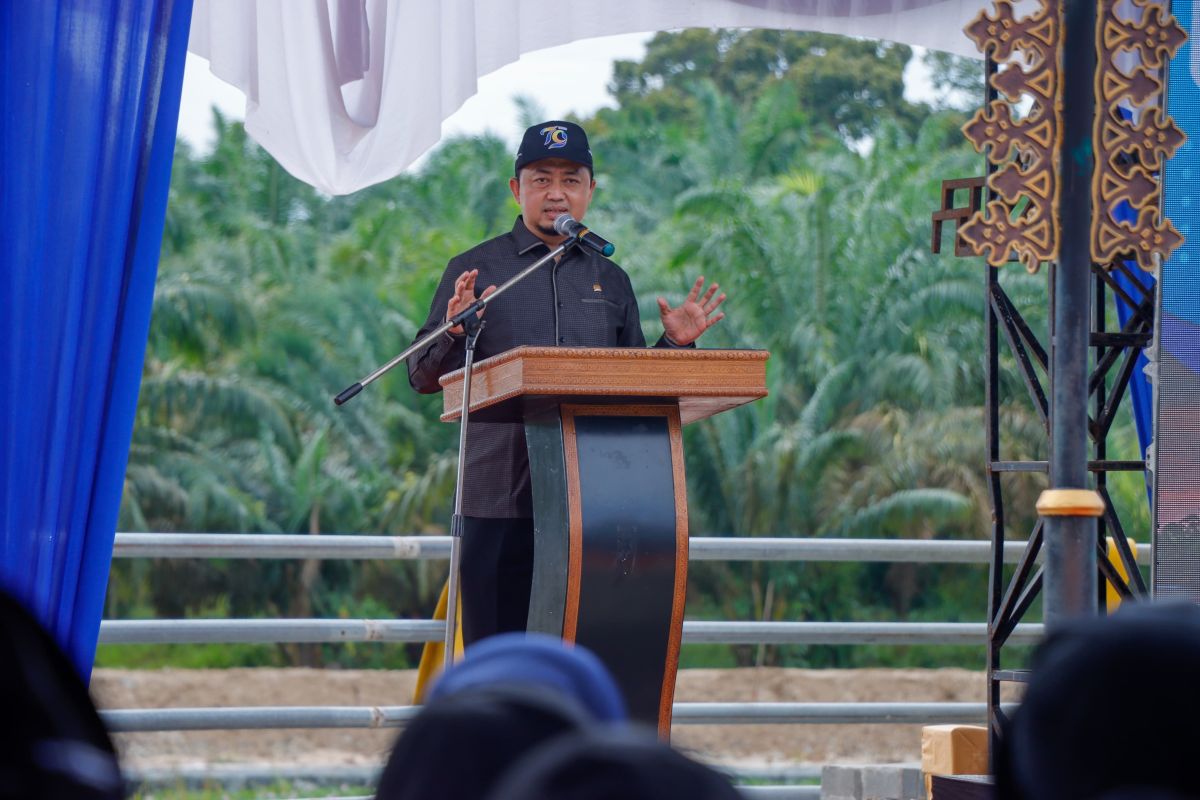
{"points": [[584, 300]]}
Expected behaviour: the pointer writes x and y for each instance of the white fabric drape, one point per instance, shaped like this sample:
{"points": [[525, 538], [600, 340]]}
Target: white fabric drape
{"points": [[347, 93]]}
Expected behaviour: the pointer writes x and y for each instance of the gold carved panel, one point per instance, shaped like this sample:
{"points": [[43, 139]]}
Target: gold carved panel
{"points": [[1133, 135], [1020, 216], [1019, 133]]}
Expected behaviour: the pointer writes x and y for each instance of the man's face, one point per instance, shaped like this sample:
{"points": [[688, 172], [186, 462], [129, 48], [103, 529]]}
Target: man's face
{"points": [[549, 188]]}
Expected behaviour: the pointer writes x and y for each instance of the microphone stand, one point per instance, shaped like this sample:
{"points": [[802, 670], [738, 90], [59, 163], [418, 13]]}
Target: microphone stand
{"points": [[472, 327]]}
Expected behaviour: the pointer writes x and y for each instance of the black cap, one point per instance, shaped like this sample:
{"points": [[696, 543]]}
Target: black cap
{"points": [[554, 139]]}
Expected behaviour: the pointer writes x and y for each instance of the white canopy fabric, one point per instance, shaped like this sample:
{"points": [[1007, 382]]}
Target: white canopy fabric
{"points": [[347, 93]]}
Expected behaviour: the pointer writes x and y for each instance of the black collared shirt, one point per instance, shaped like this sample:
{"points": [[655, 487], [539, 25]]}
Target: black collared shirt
{"points": [[583, 301]]}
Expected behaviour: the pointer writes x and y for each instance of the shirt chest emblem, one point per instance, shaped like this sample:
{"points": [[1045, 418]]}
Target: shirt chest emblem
{"points": [[596, 287]]}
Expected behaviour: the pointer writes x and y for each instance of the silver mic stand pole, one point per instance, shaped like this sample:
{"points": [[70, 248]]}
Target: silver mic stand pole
{"points": [[472, 326]]}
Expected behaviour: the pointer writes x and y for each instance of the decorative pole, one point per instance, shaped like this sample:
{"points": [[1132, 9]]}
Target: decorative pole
{"points": [[1073, 180], [1068, 176], [1069, 507]]}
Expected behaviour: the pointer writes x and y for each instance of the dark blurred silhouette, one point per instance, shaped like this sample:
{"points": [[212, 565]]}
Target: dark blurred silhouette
{"points": [[614, 764], [1111, 711], [52, 744], [510, 694], [459, 744]]}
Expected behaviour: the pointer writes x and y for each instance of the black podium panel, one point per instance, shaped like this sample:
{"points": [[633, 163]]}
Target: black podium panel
{"points": [[627, 585], [610, 563]]}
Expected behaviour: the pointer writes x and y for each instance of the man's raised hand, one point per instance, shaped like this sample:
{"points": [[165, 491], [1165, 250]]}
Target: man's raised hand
{"points": [[684, 323], [464, 296]]}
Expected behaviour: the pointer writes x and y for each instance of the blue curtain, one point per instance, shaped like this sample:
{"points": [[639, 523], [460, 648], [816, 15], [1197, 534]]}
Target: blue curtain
{"points": [[89, 99]]}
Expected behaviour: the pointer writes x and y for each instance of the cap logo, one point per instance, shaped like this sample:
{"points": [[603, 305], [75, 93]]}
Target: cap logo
{"points": [[556, 136]]}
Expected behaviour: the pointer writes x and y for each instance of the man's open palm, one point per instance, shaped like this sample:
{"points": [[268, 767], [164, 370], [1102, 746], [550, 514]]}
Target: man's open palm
{"points": [[684, 323]]}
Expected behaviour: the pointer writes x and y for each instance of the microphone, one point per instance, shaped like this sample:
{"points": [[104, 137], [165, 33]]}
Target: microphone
{"points": [[566, 225]]}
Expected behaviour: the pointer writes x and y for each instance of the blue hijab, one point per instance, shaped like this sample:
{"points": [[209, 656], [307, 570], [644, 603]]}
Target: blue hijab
{"points": [[531, 659]]}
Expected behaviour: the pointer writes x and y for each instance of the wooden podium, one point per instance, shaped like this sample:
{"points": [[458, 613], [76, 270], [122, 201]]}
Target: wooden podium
{"points": [[603, 427]]}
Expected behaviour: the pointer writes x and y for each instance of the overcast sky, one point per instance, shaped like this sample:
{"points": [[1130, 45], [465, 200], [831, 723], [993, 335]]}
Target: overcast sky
{"points": [[568, 79]]}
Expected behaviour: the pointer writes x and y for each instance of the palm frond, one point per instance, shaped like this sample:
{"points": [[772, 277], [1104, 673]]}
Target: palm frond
{"points": [[899, 513]]}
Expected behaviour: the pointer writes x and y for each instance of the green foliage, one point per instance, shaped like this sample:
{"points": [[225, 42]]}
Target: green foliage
{"points": [[189, 656], [275, 789], [960, 80], [842, 85], [787, 166]]}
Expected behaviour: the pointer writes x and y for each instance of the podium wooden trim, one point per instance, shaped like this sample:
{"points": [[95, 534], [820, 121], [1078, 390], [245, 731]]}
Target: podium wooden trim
{"points": [[604, 427], [702, 382]]}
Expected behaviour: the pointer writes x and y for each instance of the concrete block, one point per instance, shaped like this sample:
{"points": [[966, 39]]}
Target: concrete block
{"points": [[841, 782], [892, 782]]}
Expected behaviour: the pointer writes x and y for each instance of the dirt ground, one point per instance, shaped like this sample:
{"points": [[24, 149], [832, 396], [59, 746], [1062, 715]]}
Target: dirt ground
{"points": [[745, 745]]}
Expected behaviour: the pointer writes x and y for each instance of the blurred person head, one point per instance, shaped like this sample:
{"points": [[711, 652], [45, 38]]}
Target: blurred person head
{"points": [[1110, 712], [537, 660], [611, 764], [460, 743], [53, 744]]}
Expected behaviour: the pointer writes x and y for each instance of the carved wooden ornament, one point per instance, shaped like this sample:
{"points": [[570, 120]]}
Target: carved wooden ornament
{"points": [[1133, 137], [1020, 218]]}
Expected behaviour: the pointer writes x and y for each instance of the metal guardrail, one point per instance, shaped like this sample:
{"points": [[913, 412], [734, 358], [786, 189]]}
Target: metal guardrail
{"points": [[148, 720], [236, 776], [751, 792], [333, 546], [275, 545], [240, 775], [242, 545], [702, 548], [145, 720], [898, 633], [829, 713], [272, 631]]}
